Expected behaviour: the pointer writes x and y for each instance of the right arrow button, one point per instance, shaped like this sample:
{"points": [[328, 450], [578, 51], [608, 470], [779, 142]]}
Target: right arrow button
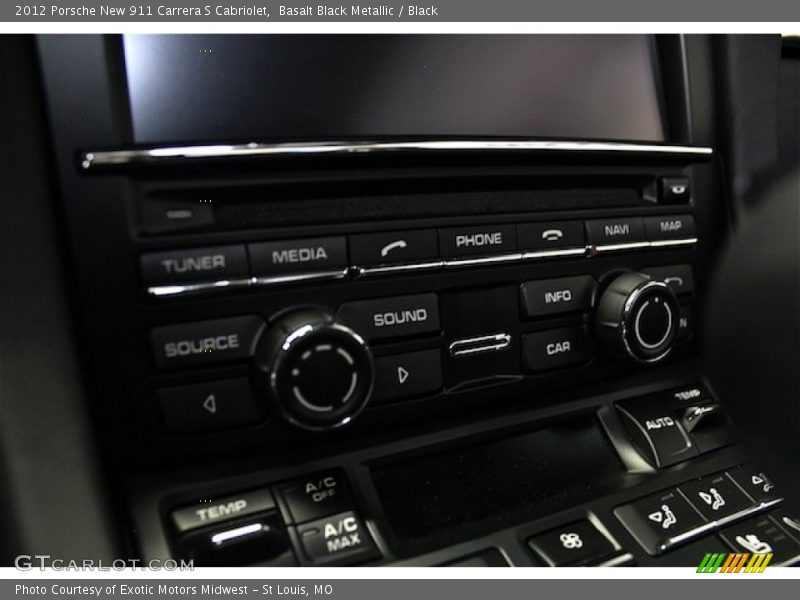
{"points": [[407, 375]]}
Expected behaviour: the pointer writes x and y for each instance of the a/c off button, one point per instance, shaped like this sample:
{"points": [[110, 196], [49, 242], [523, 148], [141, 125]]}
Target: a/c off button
{"points": [[399, 316]]}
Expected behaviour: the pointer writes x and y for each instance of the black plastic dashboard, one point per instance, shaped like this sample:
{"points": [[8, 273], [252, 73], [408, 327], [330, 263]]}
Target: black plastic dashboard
{"points": [[433, 346]]}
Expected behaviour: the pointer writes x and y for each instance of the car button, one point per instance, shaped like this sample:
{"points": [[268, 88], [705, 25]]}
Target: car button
{"points": [[399, 316], [210, 512], [679, 278], [762, 535], [655, 432], [209, 406], [573, 544], [472, 241], [405, 375], [298, 256], [653, 521], [394, 247], [755, 482], [556, 348], [194, 265], [555, 296], [205, 342], [342, 539], [552, 235], [675, 190], [606, 232], [715, 496], [316, 496], [671, 227]]}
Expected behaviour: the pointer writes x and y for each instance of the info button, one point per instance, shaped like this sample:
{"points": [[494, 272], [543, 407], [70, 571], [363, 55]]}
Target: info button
{"points": [[556, 296]]}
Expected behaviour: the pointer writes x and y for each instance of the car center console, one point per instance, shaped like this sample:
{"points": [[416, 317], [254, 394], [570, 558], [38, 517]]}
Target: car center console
{"points": [[408, 347]]}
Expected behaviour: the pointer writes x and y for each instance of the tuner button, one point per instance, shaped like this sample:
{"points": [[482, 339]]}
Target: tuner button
{"points": [[319, 372], [637, 318]]}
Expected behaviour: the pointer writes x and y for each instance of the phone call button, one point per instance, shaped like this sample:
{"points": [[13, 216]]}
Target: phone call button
{"points": [[550, 235]]}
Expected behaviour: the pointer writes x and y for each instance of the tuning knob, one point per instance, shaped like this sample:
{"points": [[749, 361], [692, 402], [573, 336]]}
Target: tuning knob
{"points": [[318, 372], [637, 318]]}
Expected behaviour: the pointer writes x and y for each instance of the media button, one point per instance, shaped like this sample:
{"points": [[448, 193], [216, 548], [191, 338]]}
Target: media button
{"points": [[672, 227], [551, 236], [205, 342], [194, 265], [478, 241], [209, 406], [624, 230], [298, 256], [556, 296], [399, 316], [406, 375], [556, 348]]}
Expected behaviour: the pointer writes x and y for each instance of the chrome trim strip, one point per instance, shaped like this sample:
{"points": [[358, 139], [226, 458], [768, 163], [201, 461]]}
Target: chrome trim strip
{"points": [[667, 243], [141, 156], [478, 345], [533, 255], [163, 291], [426, 266], [719, 523], [618, 247], [616, 561], [299, 277], [468, 262]]}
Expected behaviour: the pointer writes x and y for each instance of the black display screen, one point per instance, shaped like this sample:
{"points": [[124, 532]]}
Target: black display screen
{"points": [[192, 88], [442, 499]]}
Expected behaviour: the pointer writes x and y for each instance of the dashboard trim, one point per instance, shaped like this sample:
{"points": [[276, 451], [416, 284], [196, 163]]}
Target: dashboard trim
{"points": [[95, 160]]}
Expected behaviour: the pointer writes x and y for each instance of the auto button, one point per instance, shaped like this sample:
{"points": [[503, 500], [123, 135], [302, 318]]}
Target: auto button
{"points": [[655, 432]]}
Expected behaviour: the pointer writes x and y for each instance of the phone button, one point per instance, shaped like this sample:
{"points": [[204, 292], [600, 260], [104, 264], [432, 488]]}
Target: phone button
{"points": [[393, 247], [550, 235]]}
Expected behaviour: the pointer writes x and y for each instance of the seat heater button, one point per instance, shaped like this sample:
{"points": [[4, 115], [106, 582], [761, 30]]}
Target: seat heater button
{"points": [[715, 496], [205, 342], [342, 539], [657, 518], [194, 265]]}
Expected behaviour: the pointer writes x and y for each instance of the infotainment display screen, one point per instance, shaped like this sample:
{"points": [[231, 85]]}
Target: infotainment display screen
{"points": [[194, 88]]}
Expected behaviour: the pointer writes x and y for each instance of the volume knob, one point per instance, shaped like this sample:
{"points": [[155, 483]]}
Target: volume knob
{"points": [[319, 372], [637, 318]]}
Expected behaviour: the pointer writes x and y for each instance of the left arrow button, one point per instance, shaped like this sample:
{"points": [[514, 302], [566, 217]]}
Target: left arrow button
{"points": [[210, 406]]}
